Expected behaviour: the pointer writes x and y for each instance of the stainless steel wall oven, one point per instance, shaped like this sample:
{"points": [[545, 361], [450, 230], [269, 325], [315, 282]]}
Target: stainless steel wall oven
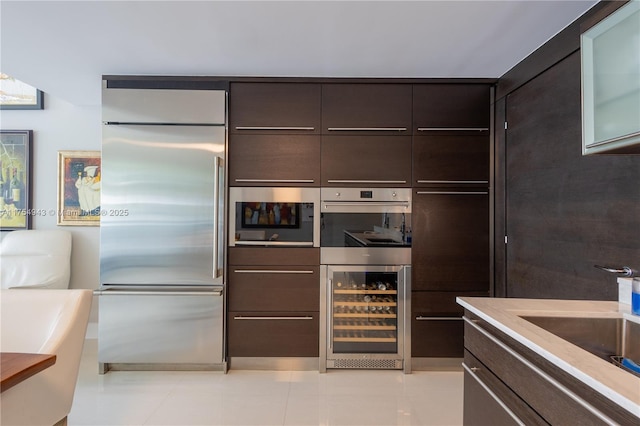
{"points": [[365, 252]]}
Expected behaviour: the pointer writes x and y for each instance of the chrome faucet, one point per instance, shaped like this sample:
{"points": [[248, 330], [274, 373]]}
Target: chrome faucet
{"points": [[623, 271]]}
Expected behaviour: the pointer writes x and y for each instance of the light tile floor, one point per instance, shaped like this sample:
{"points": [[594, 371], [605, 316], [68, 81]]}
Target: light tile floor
{"points": [[339, 397]]}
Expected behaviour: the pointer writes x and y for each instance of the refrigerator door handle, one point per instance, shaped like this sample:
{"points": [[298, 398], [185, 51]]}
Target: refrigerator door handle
{"points": [[216, 215]]}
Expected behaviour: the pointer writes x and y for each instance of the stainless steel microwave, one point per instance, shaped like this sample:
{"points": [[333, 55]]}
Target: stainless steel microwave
{"points": [[274, 217]]}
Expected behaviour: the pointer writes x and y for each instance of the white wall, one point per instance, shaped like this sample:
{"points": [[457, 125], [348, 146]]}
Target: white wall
{"points": [[61, 126]]}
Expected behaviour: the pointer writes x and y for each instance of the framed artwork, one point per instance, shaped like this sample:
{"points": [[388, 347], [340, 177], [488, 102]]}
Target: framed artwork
{"points": [[14, 94], [79, 188], [15, 179]]}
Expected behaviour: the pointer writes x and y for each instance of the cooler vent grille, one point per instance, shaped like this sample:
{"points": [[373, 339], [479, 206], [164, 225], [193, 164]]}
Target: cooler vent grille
{"points": [[365, 363]]}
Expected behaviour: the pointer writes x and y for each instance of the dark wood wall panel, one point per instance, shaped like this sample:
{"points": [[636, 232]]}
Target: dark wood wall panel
{"points": [[565, 212]]}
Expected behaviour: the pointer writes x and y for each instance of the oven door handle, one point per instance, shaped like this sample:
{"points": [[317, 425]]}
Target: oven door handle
{"points": [[365, 204]]}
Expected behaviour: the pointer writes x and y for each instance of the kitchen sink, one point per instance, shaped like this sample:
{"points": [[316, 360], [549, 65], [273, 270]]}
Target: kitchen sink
{"points": [[608, 338]]}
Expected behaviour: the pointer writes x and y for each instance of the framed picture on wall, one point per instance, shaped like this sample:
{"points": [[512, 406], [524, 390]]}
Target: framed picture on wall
{"points": [[79, 188], [14, 94], [15, 179]]}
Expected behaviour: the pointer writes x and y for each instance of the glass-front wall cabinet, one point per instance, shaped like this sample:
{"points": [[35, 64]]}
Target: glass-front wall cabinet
{"points": [[611, 83]]}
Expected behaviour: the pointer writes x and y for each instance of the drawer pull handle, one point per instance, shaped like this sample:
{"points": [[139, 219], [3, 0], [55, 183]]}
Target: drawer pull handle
{"points": [[274, 128], [366, 129], [364, 181], [452, 192], [453, 129], [421, 318], [270, 271], [239, 317], [511, 414], [454, 181], [275, 180]]}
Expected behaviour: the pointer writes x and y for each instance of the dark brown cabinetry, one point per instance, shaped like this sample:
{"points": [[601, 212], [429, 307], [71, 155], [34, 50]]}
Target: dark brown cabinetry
{"points": [[451, 245], [274, 302], [450, 257], [274, 108], [450, 107], [437, 323], [274, 134], [274, 160], [366, 135], [366, 108], [451, 240], [366, 160], [506, 383], [456, 158]]}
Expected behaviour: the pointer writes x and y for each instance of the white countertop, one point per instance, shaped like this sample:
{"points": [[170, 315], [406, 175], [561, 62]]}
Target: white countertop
{"points": [[505, 314]]}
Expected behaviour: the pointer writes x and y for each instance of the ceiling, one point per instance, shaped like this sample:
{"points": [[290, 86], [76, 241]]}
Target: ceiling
{"points": [[64, 47]]}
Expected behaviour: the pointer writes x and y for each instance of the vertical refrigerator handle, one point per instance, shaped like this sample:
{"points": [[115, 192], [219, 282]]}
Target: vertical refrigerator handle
{"points": [[216, 214]]}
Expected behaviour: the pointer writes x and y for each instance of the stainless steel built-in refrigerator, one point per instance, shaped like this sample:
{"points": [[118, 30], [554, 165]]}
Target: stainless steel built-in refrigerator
{"points": [[162, 234]]}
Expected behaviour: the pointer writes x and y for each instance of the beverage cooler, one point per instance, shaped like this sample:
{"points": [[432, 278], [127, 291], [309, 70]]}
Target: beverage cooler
{"points": [[363, 316]]}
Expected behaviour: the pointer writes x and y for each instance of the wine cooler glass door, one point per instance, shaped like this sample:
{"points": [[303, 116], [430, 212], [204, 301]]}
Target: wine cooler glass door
{"points": [[365, 312]]}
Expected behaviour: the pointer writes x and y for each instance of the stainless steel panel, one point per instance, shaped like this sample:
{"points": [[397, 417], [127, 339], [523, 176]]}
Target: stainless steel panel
{"points": [[161, 328], [158, 205], [163, 106], [365, 256]]}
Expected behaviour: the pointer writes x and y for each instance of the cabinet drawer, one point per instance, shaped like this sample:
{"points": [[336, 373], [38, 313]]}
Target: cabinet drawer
{"points": [[452, 106], [436, 337], [274, 288], [366, 108], [440, 303], [488, 401], [366, 161], [552, 400], [273, 334], [275, 256], [274, 108], [451, 160], [274, 160]]}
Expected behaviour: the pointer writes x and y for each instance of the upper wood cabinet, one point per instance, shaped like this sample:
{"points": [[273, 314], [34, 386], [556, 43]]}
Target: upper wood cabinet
{"points": [[274, 108], [274, 160], [366, 160], [451, 107], [447, 158], [364, 108]]}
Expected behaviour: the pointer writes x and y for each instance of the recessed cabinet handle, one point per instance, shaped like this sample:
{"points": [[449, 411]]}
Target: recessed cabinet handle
{"points": [[275, 180], [421, 318], [271, 271], [452, 129], [275, 128], [453, 181], [240, 317], [366, 129], [364, 181], [452, 192]]}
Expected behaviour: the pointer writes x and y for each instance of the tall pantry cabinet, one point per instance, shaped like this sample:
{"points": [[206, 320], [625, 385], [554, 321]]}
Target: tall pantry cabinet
{"points": [[450, 178]]}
